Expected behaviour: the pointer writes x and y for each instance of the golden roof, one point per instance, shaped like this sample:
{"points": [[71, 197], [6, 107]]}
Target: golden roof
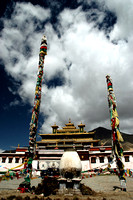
{"points": [[69, 129], [54, 126], [69, 124], [67, 133], [67, 140], [81, 125]]}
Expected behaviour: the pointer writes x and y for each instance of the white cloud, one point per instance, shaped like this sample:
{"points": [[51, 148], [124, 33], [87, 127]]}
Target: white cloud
{"points": [[15, 103], [1, 150], [82, 55], [55, 58], [20, 44], [123, 10]]}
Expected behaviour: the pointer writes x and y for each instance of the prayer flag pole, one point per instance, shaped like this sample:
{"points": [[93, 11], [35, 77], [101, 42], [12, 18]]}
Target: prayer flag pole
{"points": [[37, 101], [117, 149]]}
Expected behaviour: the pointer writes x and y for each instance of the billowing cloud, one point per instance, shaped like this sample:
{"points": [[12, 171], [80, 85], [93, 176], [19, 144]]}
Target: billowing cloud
{"points": [[19, 44], [123, 10], [81, 54]]}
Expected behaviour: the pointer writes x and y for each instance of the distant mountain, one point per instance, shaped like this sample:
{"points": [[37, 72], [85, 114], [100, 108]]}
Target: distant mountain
{"points": [[105, 136]]}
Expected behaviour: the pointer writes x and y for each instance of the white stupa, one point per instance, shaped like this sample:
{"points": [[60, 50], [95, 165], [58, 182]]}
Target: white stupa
{"points": [[70, 164]]}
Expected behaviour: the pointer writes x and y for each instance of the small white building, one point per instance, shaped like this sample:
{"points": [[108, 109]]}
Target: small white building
{"points": [[12, 159]]}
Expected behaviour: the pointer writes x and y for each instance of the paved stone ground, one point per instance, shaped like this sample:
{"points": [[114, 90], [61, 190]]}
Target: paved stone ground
{"points": [[13, 184], [98, 183], [106, 183]]}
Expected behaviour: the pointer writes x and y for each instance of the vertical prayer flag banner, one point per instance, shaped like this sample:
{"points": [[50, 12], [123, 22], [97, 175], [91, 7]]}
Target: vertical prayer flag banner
{"points": [[37, 101], [117, 149]]}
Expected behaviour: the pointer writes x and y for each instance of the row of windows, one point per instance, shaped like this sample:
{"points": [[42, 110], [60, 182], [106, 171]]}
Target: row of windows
{"points": [[93, 159], [101, 159], [11, 159]]}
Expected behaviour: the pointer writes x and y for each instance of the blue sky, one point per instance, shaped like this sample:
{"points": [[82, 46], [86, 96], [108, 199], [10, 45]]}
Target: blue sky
{"points": [[86, 41]]}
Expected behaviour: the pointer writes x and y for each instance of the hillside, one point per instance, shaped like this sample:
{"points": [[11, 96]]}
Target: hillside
{"points": [[105, 136]]}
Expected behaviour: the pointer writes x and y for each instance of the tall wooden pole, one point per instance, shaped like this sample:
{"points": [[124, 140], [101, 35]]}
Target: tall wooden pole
{"points": [[116, 136], [37, 101]]}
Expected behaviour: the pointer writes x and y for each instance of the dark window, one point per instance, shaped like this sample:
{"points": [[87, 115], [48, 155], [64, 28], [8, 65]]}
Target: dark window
{"points": [[109, 159], [126, 158], [16, 160], [3, 160], [93, 159], [101, 159], [10, 160], [60, 143]]}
